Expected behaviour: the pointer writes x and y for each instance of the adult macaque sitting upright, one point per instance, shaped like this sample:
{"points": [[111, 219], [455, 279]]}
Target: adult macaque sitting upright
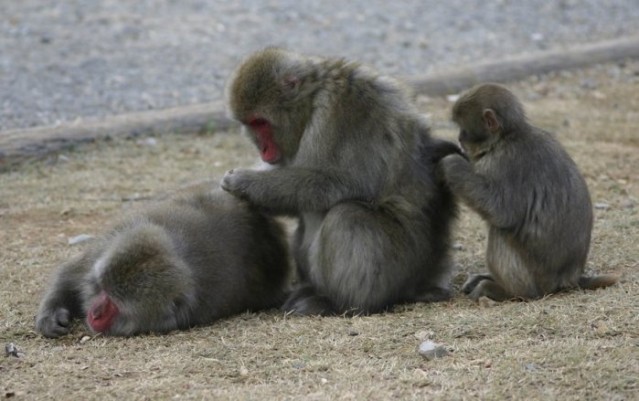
{"points": [[355, 161]]}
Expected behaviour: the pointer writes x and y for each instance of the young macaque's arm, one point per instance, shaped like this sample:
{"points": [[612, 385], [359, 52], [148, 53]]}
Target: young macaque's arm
{"points": [[482, 195]]}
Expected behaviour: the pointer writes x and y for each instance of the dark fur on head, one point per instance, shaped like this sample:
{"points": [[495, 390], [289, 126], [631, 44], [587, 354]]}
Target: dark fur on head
{"points": [[469, 109]]}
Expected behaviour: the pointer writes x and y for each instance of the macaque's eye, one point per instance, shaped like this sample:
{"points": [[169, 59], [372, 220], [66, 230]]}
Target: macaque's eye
{"points": [[463, 135]]}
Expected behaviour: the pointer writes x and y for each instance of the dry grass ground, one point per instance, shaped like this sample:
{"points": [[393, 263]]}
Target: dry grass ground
{"points": [[572, 346]]}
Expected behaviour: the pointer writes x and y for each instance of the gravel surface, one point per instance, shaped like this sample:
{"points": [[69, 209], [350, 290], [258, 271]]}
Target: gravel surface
{"points": [[73, 59]]}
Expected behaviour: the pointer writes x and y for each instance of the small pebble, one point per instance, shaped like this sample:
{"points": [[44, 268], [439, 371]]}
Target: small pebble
{"points": [[11, 350], [431, 350], [531, 367], [602, 206]]}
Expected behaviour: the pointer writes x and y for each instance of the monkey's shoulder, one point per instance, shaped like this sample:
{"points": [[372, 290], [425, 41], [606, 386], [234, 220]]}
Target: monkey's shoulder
{"points": [[357, 88]]}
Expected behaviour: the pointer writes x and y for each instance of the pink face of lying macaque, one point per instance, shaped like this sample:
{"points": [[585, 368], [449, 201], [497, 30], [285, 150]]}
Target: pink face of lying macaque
{"points": [[102, 313], [136, 289]]}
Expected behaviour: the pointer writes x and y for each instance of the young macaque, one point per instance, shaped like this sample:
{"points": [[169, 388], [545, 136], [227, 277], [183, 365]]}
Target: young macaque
{"points": [[527, 188], [355, 162], [179, 264]]}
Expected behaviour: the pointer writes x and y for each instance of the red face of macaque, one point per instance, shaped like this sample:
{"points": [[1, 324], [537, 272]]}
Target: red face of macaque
{"points": [[102, 313], [263, 131]]}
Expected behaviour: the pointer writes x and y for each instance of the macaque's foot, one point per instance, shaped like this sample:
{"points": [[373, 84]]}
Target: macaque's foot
{"points": [[304, 301], [489, 288], [474, 280], [435, 294]]}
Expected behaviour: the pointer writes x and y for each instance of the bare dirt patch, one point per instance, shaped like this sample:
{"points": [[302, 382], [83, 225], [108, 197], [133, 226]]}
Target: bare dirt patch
{"points": [[577, 345]]}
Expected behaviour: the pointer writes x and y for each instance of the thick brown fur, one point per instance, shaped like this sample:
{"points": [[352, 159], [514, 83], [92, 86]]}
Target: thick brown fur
{"points": [[531, 194], [179, 264], [353, 159]]}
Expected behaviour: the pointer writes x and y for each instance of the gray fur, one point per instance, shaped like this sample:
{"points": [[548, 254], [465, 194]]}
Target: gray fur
{"points": [[529, 191], [179, 264]]}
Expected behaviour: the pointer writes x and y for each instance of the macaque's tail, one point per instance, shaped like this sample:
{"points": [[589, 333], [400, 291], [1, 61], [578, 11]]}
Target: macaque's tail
{"points": [[594, 282]]}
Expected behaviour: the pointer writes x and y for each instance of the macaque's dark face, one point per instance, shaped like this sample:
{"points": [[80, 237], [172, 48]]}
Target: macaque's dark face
{"points": [[463, 139], [261, 130], [105, 313], [473, 141]]}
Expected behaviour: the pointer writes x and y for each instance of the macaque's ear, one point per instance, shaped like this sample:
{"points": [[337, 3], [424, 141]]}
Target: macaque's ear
{"points": [[491, 122]]}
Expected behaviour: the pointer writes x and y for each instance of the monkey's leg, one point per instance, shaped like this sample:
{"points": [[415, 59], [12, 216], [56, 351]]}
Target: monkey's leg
{"points": [[473, 280], [516, 271], [362, 259], [304, 299]]}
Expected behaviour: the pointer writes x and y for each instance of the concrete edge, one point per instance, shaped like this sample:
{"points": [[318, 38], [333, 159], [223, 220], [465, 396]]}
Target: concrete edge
{"points": [[18, 146], [510, 69]]}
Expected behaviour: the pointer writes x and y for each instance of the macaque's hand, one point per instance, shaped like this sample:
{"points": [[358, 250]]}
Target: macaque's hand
{"points": [[238, 181], [54, 323], [451, 166]]}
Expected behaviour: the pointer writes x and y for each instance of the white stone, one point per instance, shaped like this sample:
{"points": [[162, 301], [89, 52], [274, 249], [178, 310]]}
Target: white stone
{"points": [[431, 350]]}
